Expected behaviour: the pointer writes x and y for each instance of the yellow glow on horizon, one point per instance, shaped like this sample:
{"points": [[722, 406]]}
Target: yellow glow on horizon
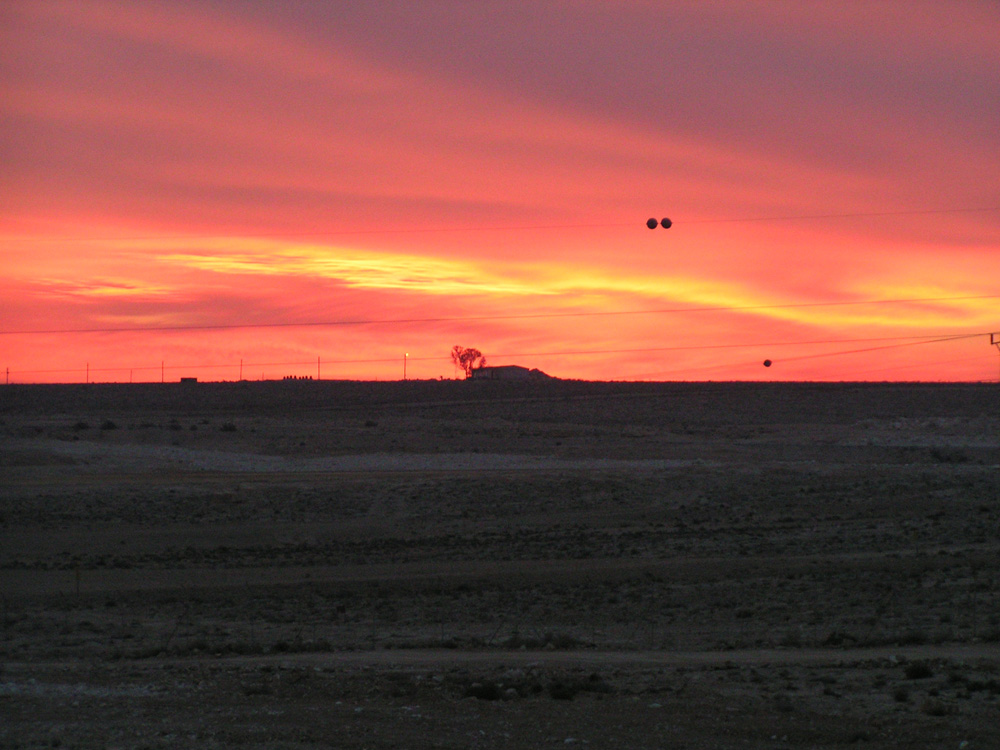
{"points": [[586, 287]]}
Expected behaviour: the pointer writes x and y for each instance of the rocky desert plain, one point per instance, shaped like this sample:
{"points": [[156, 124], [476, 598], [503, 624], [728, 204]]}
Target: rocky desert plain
{"points": [[467, 564]]}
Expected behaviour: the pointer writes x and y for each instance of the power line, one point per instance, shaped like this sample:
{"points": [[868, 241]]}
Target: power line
{"points": [[909, 341], [751, 345], [467, 318], [230, 365], [505, 227], [735, 365], [879, 348], [796, 217]]}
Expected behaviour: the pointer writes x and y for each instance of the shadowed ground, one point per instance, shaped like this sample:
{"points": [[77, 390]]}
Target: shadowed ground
{"points": [[459, 564]]}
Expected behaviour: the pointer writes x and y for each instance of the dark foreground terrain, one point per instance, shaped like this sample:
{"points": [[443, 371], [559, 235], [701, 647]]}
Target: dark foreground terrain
{"points": [[486, 565]]}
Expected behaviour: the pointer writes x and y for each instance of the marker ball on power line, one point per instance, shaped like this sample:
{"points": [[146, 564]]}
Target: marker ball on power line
{"points": [[767, 363], [651, 223], [666, 223]]}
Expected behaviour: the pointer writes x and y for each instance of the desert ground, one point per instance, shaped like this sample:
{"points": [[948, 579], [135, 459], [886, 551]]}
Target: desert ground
{"points": [[304, 564]]}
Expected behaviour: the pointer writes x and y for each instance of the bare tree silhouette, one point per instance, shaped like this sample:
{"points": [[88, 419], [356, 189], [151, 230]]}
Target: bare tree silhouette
{"points": [[467, 358]]}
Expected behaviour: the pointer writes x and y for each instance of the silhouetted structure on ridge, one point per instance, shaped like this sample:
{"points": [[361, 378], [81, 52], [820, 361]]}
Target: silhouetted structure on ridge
{"points": [[507, 372]]}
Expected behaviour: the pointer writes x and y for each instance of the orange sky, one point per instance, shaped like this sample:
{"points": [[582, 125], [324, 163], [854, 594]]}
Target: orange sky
{"points": [[417, 175]]}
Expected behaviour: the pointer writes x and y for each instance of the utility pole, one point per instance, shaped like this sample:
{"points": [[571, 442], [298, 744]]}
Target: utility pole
{"points": [[317, 369], [995, 340], [241, 369], [405, 357], [162, 372], [88, 373]]}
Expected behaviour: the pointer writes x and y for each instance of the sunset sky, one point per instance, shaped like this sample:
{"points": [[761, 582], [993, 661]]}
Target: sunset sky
{"points": [[405, 175]]}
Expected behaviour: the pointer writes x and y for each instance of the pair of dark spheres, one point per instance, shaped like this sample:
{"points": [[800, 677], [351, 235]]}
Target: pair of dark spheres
{"points": [[665, 223]]}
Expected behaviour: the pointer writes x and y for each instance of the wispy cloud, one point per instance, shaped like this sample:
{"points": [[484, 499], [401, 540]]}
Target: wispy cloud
{"points": [[427, 275], [416, 145], [101, 288]]}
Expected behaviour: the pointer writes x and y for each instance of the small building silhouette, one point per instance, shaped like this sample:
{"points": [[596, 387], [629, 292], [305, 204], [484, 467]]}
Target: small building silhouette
{"points": [[507, 372]]}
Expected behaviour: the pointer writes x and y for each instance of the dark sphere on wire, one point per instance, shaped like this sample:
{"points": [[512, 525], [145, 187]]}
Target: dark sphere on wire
{"points": [[651, 223], [666, 223], [767, 363]]}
